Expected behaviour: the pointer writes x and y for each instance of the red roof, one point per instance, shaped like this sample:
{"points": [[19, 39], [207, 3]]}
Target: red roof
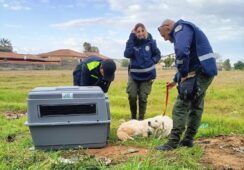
{"points": [[61, 53], [53, 56], [10, 56], [70, 53], [23, 62]]}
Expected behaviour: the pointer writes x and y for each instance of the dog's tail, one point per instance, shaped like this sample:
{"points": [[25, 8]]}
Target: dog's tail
{"points": [[123, 136]]}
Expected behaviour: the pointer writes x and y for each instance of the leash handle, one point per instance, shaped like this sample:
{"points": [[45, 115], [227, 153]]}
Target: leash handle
{"points": [[166, 98]]}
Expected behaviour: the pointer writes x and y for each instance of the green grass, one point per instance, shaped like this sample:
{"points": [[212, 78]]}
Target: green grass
{"points": [[224, 114]]}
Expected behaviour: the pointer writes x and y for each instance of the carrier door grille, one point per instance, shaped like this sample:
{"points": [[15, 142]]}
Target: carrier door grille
{"points": [[59, 110]]}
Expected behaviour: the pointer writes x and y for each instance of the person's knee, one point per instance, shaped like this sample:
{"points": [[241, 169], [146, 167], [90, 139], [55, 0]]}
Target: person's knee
{"points": [[132, 97], [181, 106], [143, 98]]}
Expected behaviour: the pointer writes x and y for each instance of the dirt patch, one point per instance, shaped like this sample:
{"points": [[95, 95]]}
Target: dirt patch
{"points": [[118, 153], [14, 115], [111, 154], [223, 152]]}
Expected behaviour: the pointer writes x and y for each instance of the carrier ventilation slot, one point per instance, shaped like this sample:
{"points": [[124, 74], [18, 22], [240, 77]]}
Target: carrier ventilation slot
{"points": [[59, 110]]}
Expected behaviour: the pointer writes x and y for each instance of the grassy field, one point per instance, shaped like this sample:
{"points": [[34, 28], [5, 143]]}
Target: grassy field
{"points": [[224, 114]]}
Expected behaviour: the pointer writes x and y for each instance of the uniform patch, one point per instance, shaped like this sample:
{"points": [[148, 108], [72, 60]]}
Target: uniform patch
{"points": [[147, 48], [179, 61], [178, 28]]}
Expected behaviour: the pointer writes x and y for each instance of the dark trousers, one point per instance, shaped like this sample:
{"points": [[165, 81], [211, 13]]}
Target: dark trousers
{"points": [[141, 90], [187, 114]]}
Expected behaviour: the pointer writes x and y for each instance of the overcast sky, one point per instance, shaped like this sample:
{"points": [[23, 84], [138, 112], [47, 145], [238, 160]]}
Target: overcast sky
{"points": [[36, 26]]}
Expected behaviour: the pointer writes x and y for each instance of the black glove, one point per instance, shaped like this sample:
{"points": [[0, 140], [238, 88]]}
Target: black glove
{"points": [[188, 89]]}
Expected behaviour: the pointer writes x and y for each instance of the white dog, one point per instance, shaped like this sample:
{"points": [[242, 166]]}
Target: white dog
{"points": [[162, 125], [159, 125], [134, 128]]}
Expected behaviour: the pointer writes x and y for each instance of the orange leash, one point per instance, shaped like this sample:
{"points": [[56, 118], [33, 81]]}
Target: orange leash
{"points": [[166, 98]]}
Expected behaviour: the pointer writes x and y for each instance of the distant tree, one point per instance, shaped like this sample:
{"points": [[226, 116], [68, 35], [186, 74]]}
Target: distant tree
{"points": [[94, 49], [168, 61], [87, 47], [125, 63], [239, 65], [5, 45], [226, 65]]}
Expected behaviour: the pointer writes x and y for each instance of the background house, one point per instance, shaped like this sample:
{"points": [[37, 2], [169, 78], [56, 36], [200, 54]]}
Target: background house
{"points": [[58, 59]]}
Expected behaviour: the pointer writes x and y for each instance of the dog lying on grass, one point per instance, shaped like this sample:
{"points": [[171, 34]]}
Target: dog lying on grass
{"points": [[161, 125], [158, 126]]}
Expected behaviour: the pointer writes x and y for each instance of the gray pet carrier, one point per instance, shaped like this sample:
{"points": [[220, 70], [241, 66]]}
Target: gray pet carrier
{"points": [[68, 117]]}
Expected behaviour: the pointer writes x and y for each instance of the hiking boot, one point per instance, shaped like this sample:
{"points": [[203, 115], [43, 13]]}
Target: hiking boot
{"points": [[167, 146], [186, 143]]}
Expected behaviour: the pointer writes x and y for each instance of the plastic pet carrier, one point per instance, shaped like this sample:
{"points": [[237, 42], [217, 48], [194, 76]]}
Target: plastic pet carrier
{"points": [[68, 117]]}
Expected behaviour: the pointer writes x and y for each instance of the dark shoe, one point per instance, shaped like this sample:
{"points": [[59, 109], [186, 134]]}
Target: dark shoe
{"points": [[133, 116], [141, 117], [166, 147], [186, 143]]}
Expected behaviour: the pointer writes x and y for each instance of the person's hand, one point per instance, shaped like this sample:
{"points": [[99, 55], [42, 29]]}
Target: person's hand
{"points": [[170, 85], [146, 35]]}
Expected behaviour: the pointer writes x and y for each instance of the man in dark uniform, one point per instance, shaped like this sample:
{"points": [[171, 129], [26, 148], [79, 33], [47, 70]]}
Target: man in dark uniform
{"points": [[94, 71], [196, 65]]}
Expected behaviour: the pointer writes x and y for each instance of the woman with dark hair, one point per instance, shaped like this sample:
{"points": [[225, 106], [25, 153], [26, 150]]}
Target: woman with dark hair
{"points": [[143, 53]]}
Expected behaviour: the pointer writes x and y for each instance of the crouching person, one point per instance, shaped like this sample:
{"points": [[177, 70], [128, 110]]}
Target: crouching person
{"points": [[95, 71]]}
